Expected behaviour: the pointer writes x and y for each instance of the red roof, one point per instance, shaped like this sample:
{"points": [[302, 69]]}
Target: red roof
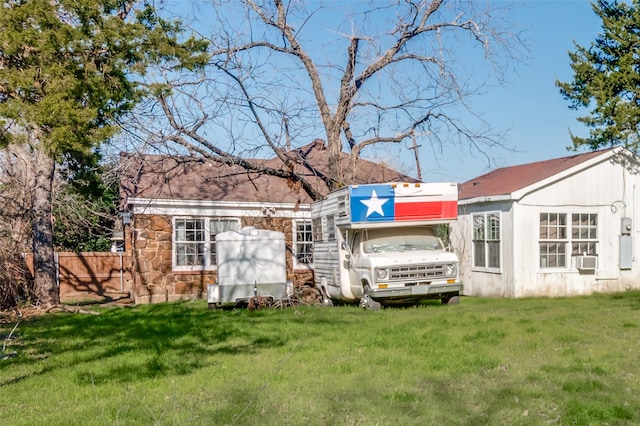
{"points": [[507, 180], [200, 179]]}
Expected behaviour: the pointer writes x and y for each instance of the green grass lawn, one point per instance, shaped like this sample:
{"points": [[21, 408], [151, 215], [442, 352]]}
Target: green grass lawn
{"points": [[484, 361]]}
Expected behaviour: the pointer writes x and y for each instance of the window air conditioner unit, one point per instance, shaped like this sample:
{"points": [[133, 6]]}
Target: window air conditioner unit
{"points": [[586, 263]]}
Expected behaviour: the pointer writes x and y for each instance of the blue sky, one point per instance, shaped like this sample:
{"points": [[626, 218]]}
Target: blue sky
{"points": [[530, 106]]}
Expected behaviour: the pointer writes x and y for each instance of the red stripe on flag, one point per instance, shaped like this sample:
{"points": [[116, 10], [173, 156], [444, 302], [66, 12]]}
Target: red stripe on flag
{"points": [[428, 210]]}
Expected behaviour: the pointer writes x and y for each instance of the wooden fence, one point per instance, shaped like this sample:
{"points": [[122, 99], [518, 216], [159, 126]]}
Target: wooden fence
{"points": [[91, 274]]}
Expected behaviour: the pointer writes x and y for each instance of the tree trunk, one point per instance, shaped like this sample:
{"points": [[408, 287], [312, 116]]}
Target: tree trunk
{"points": [[44, 264], [334, 146]]}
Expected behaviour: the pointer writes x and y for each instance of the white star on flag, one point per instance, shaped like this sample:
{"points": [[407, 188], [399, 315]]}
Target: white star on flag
{"points": [[374, 204]]}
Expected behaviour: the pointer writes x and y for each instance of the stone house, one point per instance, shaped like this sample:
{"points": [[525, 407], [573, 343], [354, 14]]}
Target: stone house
{"points": [[172, 208]]}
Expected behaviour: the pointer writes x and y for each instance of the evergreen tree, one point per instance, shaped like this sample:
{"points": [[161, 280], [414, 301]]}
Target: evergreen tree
{"points": [[68, 70], [606, 79]]}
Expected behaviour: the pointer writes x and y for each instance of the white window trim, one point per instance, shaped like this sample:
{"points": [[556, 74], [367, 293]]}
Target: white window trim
{"points": [[207, 244], [579, 240], [564, 241], [570, 264], [500, 241], [294, 232]]}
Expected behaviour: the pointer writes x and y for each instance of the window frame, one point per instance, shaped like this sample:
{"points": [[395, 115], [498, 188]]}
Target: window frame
{"points": [[553, 234], [208, 242], [307, 242], [578, 242], [194, 225], [564, 236], [330, 233], [318, 234], [489, 237]]}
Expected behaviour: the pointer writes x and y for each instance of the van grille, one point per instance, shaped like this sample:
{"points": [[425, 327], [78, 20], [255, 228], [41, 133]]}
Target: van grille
{"points": [[416, 272]]}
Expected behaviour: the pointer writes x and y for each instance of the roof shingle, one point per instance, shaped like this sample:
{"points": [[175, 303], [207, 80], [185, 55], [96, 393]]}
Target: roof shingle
{"points": [[197, 178], [506, 180]]}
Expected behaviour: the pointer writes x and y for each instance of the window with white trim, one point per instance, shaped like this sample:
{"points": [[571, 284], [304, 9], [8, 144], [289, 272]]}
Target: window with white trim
{"points": [[553, 240], [303, 242], [557, 235], [189, 242], [194, 245], [486, 240], [584, 234]]}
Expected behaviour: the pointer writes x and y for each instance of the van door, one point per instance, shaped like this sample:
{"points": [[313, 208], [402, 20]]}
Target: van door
{"points": [[355, 265]]}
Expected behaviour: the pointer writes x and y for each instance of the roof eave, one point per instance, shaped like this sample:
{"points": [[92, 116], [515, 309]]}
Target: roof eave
{"points": [[177, 203], [486, 199]]}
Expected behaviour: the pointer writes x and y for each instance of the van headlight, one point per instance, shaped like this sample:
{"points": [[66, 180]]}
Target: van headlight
{"points": [[382, 274], [450, 269]]}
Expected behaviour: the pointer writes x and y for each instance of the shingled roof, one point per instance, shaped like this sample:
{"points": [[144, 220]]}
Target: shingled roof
{"points": [[197, 178], [507, 180]]}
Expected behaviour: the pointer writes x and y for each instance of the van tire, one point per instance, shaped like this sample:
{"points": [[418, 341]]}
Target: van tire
{"points": [[453, 300], [367, 302], [326, 300]]}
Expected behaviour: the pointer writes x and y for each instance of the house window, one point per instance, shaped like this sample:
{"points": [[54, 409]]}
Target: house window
{"points": [[189, 242], [486, 240], [194, 238], [553, 240], [557, 235], [303, 242], [584, 234]]}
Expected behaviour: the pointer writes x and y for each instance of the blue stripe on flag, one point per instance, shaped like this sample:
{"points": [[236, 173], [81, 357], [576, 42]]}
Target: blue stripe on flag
{"points": [[372, 203]]}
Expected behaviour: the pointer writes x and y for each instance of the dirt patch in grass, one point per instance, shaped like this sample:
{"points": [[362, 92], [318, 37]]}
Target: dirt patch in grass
{"points": [[11, 316]]}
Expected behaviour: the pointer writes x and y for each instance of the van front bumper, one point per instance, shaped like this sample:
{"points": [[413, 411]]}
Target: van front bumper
{"points": [[421, 291]]}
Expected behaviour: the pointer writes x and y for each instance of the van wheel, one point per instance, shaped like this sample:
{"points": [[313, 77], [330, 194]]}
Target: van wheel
{"points": [[325, 300], [453, 300], [367, 302]]}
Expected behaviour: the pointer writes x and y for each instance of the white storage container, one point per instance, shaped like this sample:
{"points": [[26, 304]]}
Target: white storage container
{"points": [[250, 262]]}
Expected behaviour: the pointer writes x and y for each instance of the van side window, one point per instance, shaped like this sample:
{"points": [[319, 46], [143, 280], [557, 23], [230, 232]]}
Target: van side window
{"points": [[331, 228], [317, 228], [355, 243]]}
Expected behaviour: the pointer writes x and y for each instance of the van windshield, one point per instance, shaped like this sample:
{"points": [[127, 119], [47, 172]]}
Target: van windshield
{"points": [[385, 241]]}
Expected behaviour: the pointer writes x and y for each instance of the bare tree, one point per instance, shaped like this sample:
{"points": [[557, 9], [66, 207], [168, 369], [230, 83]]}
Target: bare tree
{"points": [[82, 221], [371, 74], [16, 195]]}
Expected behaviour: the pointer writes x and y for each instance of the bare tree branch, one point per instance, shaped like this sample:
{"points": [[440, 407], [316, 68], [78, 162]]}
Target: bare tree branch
{"points": [[275, 74]]}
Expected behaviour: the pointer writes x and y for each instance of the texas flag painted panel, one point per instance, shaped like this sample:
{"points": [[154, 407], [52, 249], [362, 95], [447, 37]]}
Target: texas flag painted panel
{"points": [[403, 202]]}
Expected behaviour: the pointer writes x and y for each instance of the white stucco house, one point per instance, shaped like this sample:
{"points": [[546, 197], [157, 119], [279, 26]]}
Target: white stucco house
{"points": [[561, 227]]}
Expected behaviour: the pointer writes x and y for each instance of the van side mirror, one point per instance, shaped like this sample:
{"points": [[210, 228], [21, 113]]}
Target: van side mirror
{"points": [[344, 245]]}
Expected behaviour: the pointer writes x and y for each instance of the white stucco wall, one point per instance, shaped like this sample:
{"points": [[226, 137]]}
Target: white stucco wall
{"points": [[481, 281]]}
